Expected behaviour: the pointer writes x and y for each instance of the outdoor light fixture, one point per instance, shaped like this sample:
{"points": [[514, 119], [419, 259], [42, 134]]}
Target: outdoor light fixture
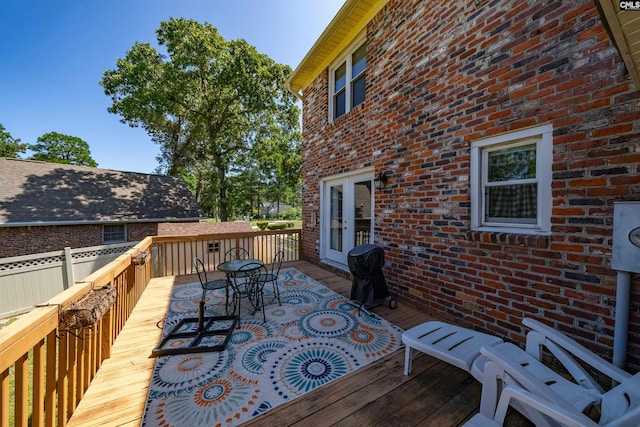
{"points": [[381, 180]]}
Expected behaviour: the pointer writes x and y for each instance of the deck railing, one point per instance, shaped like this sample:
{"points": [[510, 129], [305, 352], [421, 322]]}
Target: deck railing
{"points": [[45, 371], [173, 256]]}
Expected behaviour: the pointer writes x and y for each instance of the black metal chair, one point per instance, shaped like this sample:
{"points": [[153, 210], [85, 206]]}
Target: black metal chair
{"points": [[272, 275], [247, 283], [236, 253], [210, 285]]}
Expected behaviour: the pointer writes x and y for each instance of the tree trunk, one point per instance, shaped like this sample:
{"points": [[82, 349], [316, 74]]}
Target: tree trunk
{"points": [[222, 181]]}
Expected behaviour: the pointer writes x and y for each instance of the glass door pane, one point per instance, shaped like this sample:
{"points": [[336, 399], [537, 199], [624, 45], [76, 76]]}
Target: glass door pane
{"points": [[362, 198], [336, 219]]}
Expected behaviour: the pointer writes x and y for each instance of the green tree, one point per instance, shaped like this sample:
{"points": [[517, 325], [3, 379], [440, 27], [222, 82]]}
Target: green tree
{"points": [[207, 102], [280, 161], [55, 147], [10, 146]]}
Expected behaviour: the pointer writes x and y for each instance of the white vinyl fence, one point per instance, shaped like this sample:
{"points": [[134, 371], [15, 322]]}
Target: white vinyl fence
{"points": [[29, 280]]}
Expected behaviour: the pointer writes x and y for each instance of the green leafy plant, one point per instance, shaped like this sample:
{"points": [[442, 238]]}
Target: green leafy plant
{"points": [[292, 213], [278, 226]]}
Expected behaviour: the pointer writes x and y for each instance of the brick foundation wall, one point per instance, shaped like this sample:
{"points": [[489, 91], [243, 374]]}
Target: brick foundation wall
{"points": [[443, 74], [16, 241]]}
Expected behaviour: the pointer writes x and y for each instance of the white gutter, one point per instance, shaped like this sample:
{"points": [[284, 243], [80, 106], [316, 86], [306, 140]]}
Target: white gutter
{"points": [[293, 92]]}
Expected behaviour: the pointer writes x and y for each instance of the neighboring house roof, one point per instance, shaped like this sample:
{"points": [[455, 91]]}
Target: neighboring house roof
{"points": [[40, 193], [350, 20], [195, 228], [272, 208]]}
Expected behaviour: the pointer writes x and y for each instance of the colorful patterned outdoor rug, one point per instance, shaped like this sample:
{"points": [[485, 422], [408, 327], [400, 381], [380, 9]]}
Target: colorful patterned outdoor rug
{"points": [[315, 337]]}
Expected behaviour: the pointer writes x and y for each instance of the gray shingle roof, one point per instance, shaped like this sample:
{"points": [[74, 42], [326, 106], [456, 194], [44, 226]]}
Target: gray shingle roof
{"points": [[195, 228], [40, 192]]}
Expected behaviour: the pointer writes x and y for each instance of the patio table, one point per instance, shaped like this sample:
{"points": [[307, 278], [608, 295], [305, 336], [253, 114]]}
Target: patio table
{"points": [[233, 267]]}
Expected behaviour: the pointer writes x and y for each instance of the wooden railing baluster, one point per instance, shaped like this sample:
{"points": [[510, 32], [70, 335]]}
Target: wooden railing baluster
{"points": [[38, 384], [50, 391], [63, 379], [21, 390], [4, 398]]}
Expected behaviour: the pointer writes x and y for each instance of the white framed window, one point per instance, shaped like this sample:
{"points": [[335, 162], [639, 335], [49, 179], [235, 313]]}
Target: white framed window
{"points": [[347, 81], [511, 181], [114, 233]]}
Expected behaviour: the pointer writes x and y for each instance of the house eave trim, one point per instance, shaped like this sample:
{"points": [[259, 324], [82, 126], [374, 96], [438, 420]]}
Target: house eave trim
{"points": [[623, 28], [96, 222], [348, 23]]}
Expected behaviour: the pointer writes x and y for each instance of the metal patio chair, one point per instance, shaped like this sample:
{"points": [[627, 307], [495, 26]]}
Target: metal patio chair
{"points": [[246, 283], [210, 285], [272, 274], [236, 253]]}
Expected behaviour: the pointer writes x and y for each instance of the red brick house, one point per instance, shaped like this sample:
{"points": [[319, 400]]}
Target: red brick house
{"points": [[506, 130], [48, 206]]}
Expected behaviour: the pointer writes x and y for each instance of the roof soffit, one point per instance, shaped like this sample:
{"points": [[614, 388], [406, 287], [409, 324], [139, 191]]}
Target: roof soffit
{"points": [[352, 18], [348, 23], [624, 29]]}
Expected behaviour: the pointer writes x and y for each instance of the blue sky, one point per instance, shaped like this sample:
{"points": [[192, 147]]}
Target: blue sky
{"points": [[53, 54]]}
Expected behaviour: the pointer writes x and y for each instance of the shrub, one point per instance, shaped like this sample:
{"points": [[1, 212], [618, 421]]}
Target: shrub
{"points": [[293, 213], [262, 225], [278, 226]]}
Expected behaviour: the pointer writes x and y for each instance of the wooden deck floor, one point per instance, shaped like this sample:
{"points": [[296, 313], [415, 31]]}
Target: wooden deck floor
{"points": [[436, 394]]}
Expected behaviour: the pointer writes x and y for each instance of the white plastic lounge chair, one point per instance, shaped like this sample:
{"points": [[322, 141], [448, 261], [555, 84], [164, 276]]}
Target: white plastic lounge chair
{"points": [[461, 348], [518, 397], [441, 340], [453, 344], [568, 352], [620, 406]]}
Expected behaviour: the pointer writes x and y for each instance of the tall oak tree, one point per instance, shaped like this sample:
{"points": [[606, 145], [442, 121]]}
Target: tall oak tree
{"points": [[206, 101]]}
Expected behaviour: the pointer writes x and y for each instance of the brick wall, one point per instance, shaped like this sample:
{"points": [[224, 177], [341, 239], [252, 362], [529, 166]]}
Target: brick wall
{"points": [[443, 74], [16, 241]]}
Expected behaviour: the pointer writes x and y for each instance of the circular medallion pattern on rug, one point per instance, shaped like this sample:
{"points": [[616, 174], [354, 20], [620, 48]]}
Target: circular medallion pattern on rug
{"points": [[292, 331], [327, 323], [251, 331], [371, 342], [209, 404], [285, 313], [185, 292], [299, 296], [308, 365], [254, 355], [176, 374], [340, 304]]}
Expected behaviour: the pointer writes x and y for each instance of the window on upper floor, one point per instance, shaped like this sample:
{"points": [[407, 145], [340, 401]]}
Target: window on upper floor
{"points": [[114, 233], [511, 182], [347, 81]]}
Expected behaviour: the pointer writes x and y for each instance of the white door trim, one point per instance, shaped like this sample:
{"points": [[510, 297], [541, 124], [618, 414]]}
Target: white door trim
{"points": [[348, 181]]}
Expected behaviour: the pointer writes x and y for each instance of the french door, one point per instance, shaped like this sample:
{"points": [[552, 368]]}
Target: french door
{"points": [[347, 215]]}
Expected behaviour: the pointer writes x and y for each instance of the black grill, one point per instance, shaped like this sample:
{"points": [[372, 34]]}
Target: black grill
{"points": [[366, 262]]}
